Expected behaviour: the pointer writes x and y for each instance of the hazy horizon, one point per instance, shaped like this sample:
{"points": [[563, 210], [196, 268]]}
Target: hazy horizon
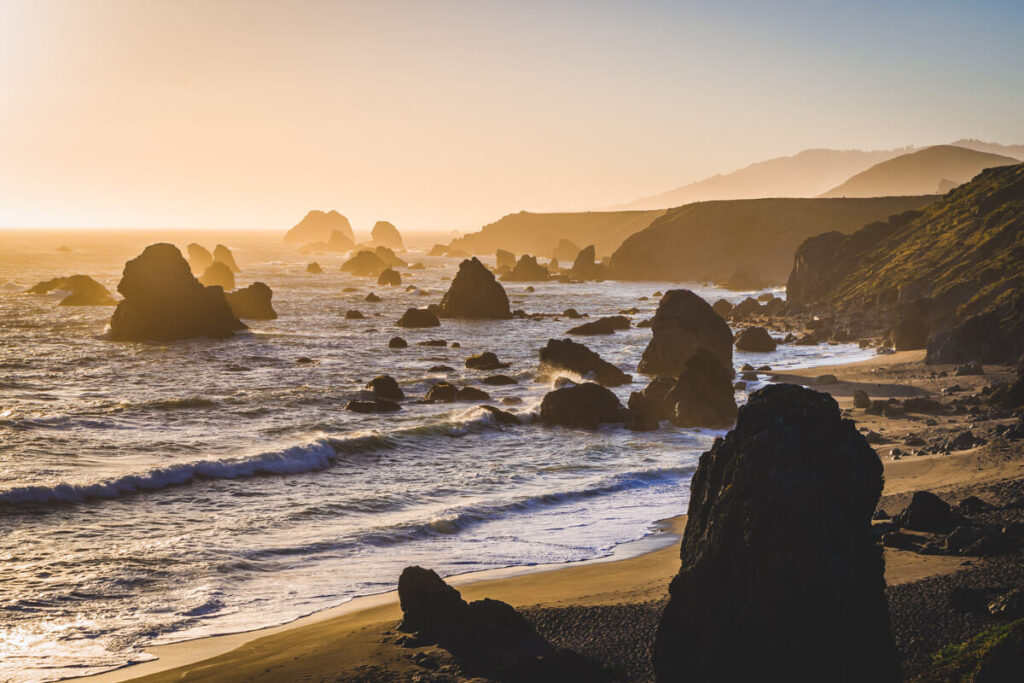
{"points": [[448, 116]]}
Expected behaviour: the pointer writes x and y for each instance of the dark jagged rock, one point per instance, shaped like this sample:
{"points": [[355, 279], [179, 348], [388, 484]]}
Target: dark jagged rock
{"points": [[314, 268], [504, 260], [996, 336], [581, 405], [502, 416], [418, 317], [485, 361], [970, 369], [224, 255], [82, 291], [397, 343], [387, 387], [353, 314], [219, 274], [928, 512], [252, 302], [386, 235], [364, 264], [317, 226], [683, 324], [644, 414], [199, 257], [780, 577], [606, 325], [909, 334], [755, 339], [378, 405], [703, 396], [163, 301], [442, 392], [565, 354], [389, 278], [1011, 396], [475, 294], [527, 270], [585, 267]]}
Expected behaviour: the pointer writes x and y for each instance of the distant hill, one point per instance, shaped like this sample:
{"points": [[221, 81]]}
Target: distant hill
{"points": [[932, 170], [709, 241], [806, 174], [539, 233]]}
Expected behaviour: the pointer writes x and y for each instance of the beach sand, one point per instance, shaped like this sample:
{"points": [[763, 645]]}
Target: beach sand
{"points": [[618, 599]]}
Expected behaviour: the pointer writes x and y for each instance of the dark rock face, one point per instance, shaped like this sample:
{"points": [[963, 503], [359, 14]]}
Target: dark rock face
{"points": [[582, 405], [199, 257], [780, 578], [164, 302], [83, 291], [364, 264], [755, 339], [565, 354], [387, 387], [683, 324], [389, 278], [252, 302], [224, 255], [527, 270], [485, 361], [418, 317], [386, 235], [317, 226], [606, 325], [219, 274], [861, 399], [585, 267], [928, 512], [475, 294], [378, 405], [703, 396], [909, 334], [314, 268], [996, 336]]}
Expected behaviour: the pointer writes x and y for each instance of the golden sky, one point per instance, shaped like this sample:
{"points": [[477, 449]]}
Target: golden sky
{"points": [[445, 115]]}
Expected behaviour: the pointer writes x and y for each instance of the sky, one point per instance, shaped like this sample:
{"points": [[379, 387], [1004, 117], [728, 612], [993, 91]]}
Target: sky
{"points": [[446, 115]]}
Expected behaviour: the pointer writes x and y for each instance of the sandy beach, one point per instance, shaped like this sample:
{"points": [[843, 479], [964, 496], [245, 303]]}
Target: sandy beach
{"points": [[356, 641]]}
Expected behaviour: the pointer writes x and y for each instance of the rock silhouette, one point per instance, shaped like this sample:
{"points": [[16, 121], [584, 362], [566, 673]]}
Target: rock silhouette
{"points": [[567, 355], [702, 395], [314, 268], [780, 578], [224, 255], [475, 294], [909, 334], [527, 270], [199, 257], [683, 324], [252, 302], [418, 317], [163, 301], [387, 387], [82, 291], [585, 266], [386, 235], [218, 274], [317, 226], [755, 339], [581, 405], [364, 264], [389, 278], [485, 361], [389, 258]]}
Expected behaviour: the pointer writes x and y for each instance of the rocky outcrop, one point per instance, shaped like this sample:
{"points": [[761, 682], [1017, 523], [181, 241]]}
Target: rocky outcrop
{"points": [[683, 324], [606, 325], [755, 339], [364, 264], [565, 251], [485, 361], [504, 260], [199, 257], [224, 255], [996, 336], [418, 317], [317, 226], [314, 268], [389, 278], [928, 512], [565, 355], [527, 270], [701, 396], [163, 301], [386, 235], [475, 294], [585, 267], [252, 302], [219, 274], [82, 291], [581, 405], [780, 577], [390, 259], [385, 386]]}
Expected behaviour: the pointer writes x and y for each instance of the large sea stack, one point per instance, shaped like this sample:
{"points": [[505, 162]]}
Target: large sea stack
{"points": [[585, 267], [683, 324], [317, 226], [386, 234], [474, 293], [163, 301], [780, 578]]}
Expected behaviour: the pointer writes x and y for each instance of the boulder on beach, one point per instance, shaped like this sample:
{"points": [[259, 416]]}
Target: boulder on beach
{"points": [[683, 324], [199, 257], [475, 294], [566, 355], [527, 270], [252, 302], [928, 512], [386, 234], [364, 264], [485, 361], [82, 291], [219, 274], [385, 386], [606, 325], [755, 339], [581, 405], [389, 278], [314, 268], [418, 317], [585, 266], [746, 308], [780, 576], [317, 226], [163, 301], [224, 255], [504, 260]]}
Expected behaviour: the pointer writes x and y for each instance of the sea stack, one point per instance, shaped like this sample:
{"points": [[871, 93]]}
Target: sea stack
{"points": [[163, 301], [527, 270], [780, 577], [224, 255], [218, 274], [317, 226], [252, 302], [386, 235], [199, 257], [475, 294], [585, 267], [683, 324]]}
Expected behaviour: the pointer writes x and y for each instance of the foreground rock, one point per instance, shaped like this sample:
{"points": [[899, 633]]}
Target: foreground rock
{"points": [[780, 578], [219, 274], [683, 324], [252, 302], [485, 361], [581, 405], [475, 294], [386, 235], [163, 301], [418, 317], [566, 355], [82, 291], [527, 270]]}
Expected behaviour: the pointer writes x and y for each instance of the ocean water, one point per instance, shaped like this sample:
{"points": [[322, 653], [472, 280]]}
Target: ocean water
{"points": [[151, 493]]}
